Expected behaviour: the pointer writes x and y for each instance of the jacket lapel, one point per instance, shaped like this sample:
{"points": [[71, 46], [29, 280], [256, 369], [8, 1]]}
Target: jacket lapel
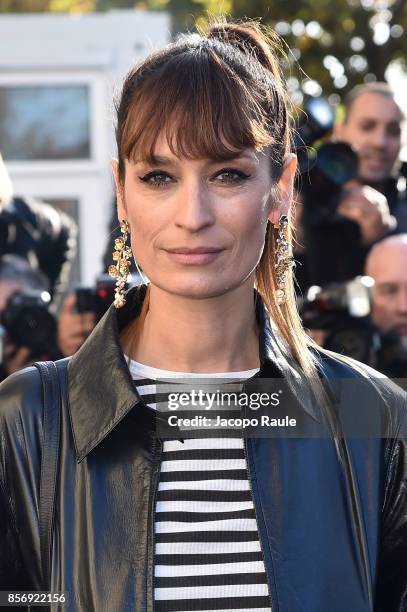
{"points": [[101, 390]]}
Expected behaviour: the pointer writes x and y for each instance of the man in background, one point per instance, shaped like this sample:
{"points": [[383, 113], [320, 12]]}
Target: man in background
{"points": [[387, 265], [34, 230], [63, 335], [16, 275], [353, 216], [372, 126]]}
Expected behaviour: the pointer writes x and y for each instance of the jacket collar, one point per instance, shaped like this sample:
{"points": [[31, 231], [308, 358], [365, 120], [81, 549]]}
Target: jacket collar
{"points": [[101, 390]]}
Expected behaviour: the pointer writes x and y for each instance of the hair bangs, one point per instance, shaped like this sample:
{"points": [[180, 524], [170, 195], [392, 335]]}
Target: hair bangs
{"points": [[200, 109]]}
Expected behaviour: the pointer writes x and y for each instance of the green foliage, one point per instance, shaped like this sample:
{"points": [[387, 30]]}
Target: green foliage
{"points": [[23, 6], [338, 43]]}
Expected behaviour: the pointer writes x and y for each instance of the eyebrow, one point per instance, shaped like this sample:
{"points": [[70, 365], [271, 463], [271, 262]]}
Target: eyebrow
{"points": [[396, 122], [162, 160], [387, 284]]}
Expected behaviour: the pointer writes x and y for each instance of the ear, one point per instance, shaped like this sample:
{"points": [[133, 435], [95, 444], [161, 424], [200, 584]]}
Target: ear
{"points": [[121, 208], [285, 186]]}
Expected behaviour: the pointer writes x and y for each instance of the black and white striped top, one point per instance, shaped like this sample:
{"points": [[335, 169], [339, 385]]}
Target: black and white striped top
{"points": [[207, 554]]}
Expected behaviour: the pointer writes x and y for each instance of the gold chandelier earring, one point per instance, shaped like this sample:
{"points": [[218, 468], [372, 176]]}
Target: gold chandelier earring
{"points": [[120, 270], [284, 259]]}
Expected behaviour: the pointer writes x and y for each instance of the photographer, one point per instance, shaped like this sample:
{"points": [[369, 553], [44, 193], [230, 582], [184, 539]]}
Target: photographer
{"points": [[339, 318], [45, 337], [82, 309], [372, 126], [387, 265], [36, 231], [73, 326], [16, 275], [359, 202]]}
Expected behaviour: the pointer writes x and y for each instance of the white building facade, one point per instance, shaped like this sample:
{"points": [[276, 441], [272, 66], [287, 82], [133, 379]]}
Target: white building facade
{"points": [[58, 76]]}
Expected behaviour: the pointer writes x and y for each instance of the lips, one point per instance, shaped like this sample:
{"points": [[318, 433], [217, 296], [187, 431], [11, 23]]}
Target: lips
{"points": [[197, 256], [376, 161], [194, 251]]}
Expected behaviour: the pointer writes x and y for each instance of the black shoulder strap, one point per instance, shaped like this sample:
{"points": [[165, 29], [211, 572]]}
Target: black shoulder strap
{"points": [[49, 462]]}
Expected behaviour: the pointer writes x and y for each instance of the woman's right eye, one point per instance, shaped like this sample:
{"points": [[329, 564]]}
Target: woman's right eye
{"points": [[156, 178]]}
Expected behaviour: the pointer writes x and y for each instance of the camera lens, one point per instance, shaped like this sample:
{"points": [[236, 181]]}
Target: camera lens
{"points": [[338, 162], [28, 321]]}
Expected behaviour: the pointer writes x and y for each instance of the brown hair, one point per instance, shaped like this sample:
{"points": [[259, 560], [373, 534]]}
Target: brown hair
{"points": [[378, 87], [212, 95]]}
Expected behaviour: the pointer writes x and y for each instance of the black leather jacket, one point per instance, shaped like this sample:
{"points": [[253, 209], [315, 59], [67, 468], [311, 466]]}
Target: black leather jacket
{"points": [[332, 515]]}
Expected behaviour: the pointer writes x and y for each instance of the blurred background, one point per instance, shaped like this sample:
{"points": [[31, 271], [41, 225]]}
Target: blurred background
{"points": [[61, 63]]}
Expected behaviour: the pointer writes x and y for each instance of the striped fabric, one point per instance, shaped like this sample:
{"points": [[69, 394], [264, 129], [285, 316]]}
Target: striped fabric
{"points": [[207, 554]]}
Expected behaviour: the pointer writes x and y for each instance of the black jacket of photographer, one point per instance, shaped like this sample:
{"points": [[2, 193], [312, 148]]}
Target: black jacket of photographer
{"points": [[332, 514]]}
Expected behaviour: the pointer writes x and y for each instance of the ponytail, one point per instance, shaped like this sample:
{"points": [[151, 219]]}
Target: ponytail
{"points": [[264, 45]]}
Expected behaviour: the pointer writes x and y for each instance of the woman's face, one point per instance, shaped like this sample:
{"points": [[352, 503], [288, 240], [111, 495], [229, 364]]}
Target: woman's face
{"points": [[198, 226]]}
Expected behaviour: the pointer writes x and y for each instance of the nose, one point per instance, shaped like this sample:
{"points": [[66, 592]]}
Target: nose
{"points": [[402, 301], [380, 137], [194, 206]]}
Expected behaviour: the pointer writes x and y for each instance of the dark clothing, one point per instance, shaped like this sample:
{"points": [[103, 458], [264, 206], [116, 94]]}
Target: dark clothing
{"points": [[332, 514], [397, 200], [42, 235], [334, 250]]}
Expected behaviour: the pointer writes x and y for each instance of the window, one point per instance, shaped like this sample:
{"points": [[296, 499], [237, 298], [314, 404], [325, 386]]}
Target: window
{"points": [[44, 122]]}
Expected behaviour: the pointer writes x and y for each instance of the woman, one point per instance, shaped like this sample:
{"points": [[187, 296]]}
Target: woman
{"points": [[145, 520]]}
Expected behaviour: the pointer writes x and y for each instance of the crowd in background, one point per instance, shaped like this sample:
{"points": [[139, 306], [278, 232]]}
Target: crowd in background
{"points": [[350, 218]]}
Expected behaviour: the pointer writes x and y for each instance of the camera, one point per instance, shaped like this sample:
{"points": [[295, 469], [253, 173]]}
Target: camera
{"points": [[27, 321], [326, 168], [343, 311], [96, 299], [333, 248]]}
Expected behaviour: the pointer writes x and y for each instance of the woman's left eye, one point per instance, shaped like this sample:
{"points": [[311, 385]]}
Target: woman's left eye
{"points": [[231, 176]]}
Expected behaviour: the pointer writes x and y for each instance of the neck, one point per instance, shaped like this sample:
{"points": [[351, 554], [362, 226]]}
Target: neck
{"points": [[216, 334]]}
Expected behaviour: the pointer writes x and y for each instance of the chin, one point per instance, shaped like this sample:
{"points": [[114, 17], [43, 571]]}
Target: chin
{"points": [[197, 288]]}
